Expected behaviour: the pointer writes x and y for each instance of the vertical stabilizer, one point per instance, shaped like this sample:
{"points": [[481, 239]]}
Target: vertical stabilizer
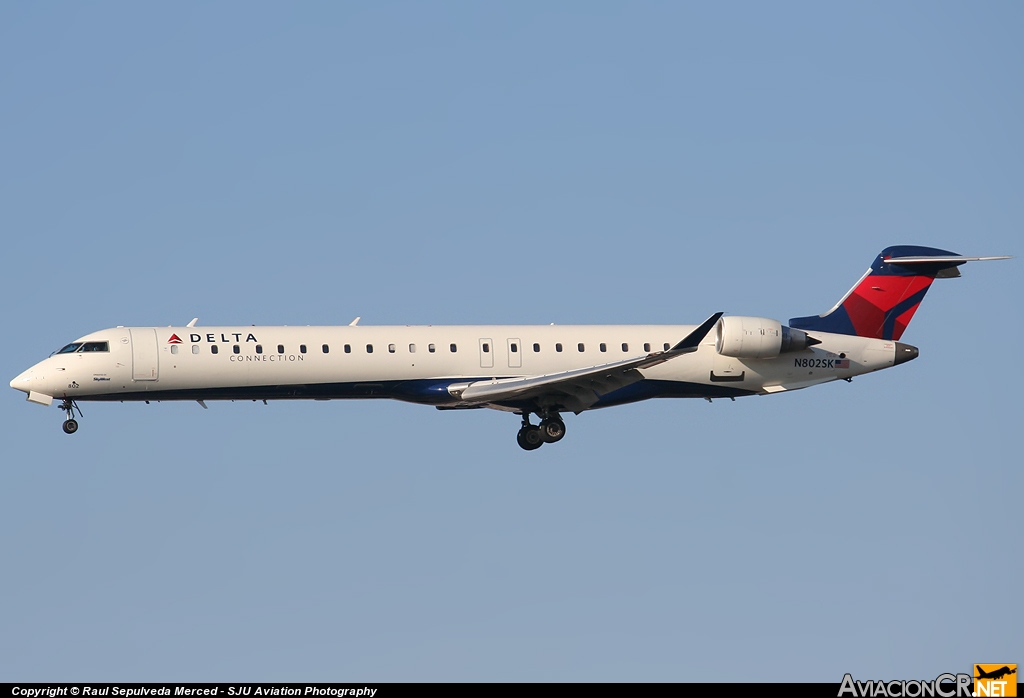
{"points": [[882, 303]]}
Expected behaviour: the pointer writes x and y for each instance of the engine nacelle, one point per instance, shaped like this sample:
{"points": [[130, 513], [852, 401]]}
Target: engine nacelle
{"points": [[758, 338]]}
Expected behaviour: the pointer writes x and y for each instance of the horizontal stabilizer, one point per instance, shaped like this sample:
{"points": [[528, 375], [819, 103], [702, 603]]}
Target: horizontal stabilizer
{"points": [[943, 259]]}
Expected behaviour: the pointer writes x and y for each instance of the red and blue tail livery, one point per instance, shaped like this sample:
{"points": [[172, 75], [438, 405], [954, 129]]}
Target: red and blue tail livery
{"points": [[882, 303]]}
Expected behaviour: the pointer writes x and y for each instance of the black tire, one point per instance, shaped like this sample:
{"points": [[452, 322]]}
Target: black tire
{"points": [[552, 430], [530, 438], [70, 426]]}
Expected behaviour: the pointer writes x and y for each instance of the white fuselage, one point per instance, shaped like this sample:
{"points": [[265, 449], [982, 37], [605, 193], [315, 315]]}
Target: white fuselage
{"points": [[418, 363]]}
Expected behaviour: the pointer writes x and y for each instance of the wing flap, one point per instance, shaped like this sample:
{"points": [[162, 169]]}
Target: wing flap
{"points": [[518, 387]]}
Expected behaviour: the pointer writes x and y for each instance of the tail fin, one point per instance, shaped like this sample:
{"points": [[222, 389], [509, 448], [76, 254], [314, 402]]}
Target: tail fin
{"points": [[883, 301]]}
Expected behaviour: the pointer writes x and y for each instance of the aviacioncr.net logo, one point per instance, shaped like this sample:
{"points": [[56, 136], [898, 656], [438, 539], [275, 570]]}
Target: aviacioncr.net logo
{"points": [[943, 686]]}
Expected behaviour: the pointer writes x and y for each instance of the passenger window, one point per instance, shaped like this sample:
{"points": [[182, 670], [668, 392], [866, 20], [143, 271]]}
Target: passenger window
{"points": [[174, 348], [302, 348], [391, 348], [259, 349], [348, 348], [430, 348], [280, 348], [625, 347], [536, 348], [487, 347], [647, 346], [214, 349], [369, 348], [195, 348], [237, 349], [666, 346], [412, 348], [581, 347], [327, 349], [454, 348], [514, 348], [558, 347], [603, 347]]}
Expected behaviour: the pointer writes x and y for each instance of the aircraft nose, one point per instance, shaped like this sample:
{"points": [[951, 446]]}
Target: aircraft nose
{"points": [[905, 353], [29, 380], [22, 381]]}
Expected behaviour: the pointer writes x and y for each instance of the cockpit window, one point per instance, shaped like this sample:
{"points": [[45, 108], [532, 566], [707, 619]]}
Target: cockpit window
{"points": [[84, 347]]}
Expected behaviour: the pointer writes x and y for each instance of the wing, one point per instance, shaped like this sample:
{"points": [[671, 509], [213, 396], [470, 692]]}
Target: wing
{"points": [[580, 388]]}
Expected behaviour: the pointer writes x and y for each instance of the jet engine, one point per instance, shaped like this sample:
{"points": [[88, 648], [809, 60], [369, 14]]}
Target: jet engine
{"points": [[758, 338]]}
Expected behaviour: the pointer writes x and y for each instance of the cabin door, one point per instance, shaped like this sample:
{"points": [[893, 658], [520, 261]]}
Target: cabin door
{"points": [[145, 355]]}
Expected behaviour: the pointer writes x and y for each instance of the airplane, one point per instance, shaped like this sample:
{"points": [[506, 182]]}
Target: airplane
{"points": [[542, 370], [995, 674]]}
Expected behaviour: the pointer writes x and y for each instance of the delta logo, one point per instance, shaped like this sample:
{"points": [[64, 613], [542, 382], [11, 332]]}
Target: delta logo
{"points": [[175, 339], [995, 680]]}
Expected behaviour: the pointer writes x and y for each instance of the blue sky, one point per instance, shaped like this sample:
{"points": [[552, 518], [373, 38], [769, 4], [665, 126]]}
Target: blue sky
{"points": [[522, 163]]}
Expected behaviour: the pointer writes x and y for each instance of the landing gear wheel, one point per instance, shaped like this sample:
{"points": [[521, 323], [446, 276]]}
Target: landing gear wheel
{"points": [[70, 426], [552, 430], [530, 438]]}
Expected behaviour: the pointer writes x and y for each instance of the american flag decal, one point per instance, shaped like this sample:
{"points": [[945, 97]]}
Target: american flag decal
{"points": [[842, 363]]}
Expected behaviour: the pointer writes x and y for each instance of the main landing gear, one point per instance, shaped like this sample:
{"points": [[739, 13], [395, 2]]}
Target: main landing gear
{"points": [[70, 406], [550, 430]]}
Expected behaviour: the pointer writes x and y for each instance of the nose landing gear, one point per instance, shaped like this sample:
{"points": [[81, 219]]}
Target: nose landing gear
{"points": [[550, 430], [70, 406]]}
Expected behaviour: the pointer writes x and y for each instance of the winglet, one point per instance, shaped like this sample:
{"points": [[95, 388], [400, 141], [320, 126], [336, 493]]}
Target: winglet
{"points": [[688, 344], [691, 341], [355, 322], [193, 323]]}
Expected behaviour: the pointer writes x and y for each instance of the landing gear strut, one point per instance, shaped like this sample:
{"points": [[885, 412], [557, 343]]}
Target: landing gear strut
{"points": [[550, 430], [70, 406]]}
